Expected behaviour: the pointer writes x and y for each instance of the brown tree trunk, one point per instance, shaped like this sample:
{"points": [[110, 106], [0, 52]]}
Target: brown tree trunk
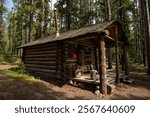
{"points": [[68, 15], [117, 57], [56, 23], [108, 17], [102, 65], [143, 34], [42, 20], [146, 23], [1, 20], [108, 10], [30, 23]]}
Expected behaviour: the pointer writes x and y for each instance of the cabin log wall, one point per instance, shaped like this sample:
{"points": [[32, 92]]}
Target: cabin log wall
{"points": [[42, 60]]}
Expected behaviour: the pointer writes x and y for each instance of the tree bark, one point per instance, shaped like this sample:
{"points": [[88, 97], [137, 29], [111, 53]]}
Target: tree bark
{"points": [[108, 10], [108, 18], [1, 20], [30, 22], [42, 19], [146, 22], [102, 65], [143, 33], [117, 57], [68, 15], [56, 23]]}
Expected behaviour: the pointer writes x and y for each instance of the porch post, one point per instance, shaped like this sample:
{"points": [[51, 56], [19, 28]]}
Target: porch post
{"points": [[109, 58], [96, 63], [102, 65], [125, 49], [117, 57]]}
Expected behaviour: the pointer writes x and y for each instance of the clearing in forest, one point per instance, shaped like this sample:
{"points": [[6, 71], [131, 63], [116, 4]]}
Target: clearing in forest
{"points": [[15, 87]]}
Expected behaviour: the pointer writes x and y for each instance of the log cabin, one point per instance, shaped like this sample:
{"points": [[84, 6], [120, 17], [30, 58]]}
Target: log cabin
{"points": [[70, 55]]}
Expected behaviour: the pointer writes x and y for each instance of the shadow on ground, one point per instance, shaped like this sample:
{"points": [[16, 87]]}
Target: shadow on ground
{"points": [[13, 89], [29, 89]]}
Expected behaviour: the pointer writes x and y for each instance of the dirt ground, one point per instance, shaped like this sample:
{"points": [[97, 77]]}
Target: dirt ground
{"points": [[15, 89]]}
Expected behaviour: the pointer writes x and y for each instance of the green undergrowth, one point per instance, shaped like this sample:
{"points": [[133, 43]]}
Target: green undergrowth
{"points": [[19, 73]]}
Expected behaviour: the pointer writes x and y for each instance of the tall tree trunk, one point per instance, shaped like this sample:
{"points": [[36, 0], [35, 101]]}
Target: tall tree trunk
{"points": [[120, 12], [108, 17], [30, 22], [143, 33], [117, 57], [108, 10], [42, 19], [1, 20], [146, 23], [47, 15], [68, 15]]}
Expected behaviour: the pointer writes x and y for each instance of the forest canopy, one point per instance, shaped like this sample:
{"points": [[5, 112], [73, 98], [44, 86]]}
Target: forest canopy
{"points": [[30, 20]]}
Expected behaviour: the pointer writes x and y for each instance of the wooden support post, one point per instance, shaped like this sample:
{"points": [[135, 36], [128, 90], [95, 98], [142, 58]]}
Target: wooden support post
{"points": [[109, 58], [126, 60], [102, 65], [96, 62], [117, 57]]}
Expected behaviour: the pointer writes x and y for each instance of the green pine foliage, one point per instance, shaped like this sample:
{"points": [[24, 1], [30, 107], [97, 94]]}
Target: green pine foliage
{"points": [[72, 14]]}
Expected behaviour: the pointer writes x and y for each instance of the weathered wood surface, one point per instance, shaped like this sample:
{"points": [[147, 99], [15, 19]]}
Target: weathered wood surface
{"points": [[41, 52], [102, 65], [117, 57], [41, 60]]}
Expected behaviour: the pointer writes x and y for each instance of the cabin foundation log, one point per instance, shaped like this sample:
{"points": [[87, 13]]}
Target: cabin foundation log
{"points": [[102, 65]]}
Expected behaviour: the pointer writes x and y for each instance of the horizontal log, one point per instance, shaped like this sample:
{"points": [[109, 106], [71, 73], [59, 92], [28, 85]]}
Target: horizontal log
{"points": [[43, 75], [41, 52], [41, 63], [51, 59], [42, 55], [41, 70], [41, 66], [72, 63], [71, 60], [77, 43], [41, 49], [42, 45]]}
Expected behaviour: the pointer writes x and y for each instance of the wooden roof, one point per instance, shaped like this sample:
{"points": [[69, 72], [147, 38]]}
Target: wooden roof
{"points": [[97, 28]]}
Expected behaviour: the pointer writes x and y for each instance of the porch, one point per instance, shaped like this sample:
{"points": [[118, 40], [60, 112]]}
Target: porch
{"points": [[110, 80]]}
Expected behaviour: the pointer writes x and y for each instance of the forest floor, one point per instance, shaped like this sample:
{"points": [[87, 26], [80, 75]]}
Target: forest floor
{"points": [[16, 88]]}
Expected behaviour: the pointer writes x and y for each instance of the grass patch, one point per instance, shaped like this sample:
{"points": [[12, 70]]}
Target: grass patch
{"points": [[138, 68], [19, 73]]}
